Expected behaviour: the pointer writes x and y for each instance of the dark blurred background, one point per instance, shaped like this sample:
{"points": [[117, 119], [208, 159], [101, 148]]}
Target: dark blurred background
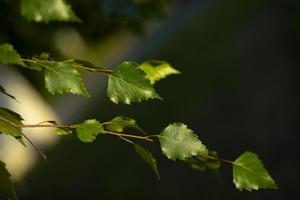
{"points": [[238, 91]]}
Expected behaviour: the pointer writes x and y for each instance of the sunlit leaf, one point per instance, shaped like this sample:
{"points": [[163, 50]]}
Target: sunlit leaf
{"points": [[157, 70], [60, 131], [88, 130], [7, 189], [249, 173], [128, 83], [47, 10], [64, 78], [179, 142], [8, 55]]}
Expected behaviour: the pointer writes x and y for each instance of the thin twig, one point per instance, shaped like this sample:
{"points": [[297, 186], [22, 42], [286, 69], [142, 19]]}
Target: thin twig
{"points": [[129, 136], [35, 147], [129, 141], [122, 136], [101, 70], [217, 159], [44, 126], [72, 126]]}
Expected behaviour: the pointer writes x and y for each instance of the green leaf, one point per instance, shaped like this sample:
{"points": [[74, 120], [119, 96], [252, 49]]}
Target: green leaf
{"points": [[60, 131], [157, 70], [8, 55], [201, 163], [88, 130], [36, 63], [2, 90], [8, 124], [249, 173], [47, 10], [11, 116], [44, 56], [64, 78], [213, 165], [179, 142], [127, 84], [9, 121], [118, 124], [7, 189], [148, 158]]}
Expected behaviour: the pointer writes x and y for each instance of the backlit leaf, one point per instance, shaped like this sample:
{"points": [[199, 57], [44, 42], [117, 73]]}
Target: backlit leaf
{"points": [[179, 142], [88, 130], [8, 55], [249, 173], [7, 189], [47, 10], [64, 78], [60, 131], [157, 70], [128, 83]]}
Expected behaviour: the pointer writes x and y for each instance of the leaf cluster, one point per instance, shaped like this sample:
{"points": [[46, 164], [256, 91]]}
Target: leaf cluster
{"points": [[128, 82]]}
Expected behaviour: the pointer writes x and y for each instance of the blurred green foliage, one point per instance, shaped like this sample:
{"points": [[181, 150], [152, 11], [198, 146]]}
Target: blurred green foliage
{"points": [[100, 19]]}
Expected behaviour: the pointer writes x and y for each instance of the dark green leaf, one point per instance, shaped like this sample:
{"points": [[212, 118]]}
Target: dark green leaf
{"points": [[157, 70], [44, 56], [179, 142], [88, 130], [249, 173], [64, 78], [127, 84], [211, 164], [8, 55], [36, 63], [148, 158], [196, 163], [9, 121], [47, 10], [6, 186], [86, 64], [118, 124], [201, 163], [11, 116], [2, 90]]}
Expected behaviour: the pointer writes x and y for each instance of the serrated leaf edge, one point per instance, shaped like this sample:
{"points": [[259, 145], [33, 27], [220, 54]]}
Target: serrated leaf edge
{"points": [[156, 95]]}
